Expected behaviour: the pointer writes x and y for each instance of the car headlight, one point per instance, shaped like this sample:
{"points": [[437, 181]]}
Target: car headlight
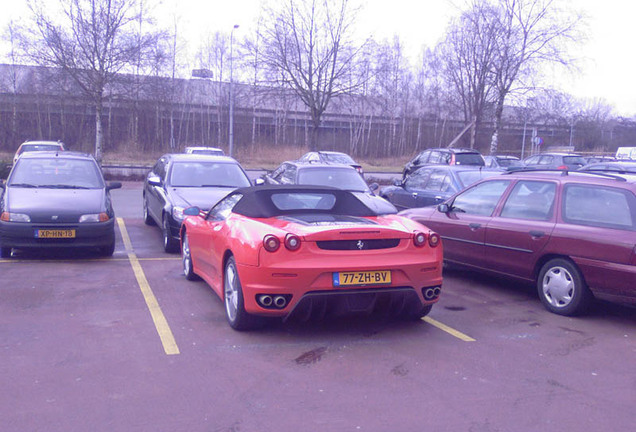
{"points": [[94, 217], [177, 213], [15, 217]]}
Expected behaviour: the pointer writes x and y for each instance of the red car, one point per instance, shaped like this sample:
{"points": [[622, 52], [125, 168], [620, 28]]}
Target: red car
{"points": [[573, 234], [305, 251]]}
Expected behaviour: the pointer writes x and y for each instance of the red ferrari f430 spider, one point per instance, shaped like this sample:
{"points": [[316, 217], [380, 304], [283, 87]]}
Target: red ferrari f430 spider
{"points": [[307, 252]]}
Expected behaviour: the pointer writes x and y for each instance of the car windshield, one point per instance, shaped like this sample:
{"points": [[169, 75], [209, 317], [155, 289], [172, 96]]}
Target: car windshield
{"points": [[207, 174], [338, 158], [207, 152], [39, 147], [574, 160], [468, 159], [342, 178], [466, 178], [56, 173], [303, 201]]}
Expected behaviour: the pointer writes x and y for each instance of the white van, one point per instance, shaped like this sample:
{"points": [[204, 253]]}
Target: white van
{"points": [[626, 153]]}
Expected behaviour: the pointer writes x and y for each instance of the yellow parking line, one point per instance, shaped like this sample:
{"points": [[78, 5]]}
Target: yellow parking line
{"points": [[447, 329], [161, 324]]}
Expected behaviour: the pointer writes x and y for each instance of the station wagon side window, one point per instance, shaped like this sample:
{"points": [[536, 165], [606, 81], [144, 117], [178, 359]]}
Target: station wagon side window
{"points": [[422, 158], [532, 200], [533, 160], [223, 209], [481, 199], [546, 160], [599, 206], [436, 157]]}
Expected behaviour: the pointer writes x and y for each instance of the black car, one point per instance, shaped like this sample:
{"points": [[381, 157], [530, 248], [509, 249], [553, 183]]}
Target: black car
{"points": [[56, 199], [331, 157], [179, 181], [328, 174], [502, 162], [548, 160], [444, 156], [622, 167], [433, 184]]}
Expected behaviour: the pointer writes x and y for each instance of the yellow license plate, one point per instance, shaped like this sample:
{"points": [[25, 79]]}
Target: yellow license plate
{"points": [[55, 234], [376, 277]]}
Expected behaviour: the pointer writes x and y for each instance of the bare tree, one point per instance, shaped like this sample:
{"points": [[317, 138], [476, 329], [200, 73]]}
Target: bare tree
{"points": [[91, 40], [530, 33], [307, 46], [468, 53]]}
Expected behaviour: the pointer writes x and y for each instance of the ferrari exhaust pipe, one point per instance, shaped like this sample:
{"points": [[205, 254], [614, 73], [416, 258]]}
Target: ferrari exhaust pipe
{"points": [[265, 300], [279, 301], [429, 294], [436, 291]]}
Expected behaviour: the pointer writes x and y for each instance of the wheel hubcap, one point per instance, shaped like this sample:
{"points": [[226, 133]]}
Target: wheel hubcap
{"points": [[166, 232], [186, 255], [231, 292], [558, 287]]}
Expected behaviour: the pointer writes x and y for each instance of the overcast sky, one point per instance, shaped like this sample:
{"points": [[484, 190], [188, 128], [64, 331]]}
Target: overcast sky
{"points": [[608, 66]]}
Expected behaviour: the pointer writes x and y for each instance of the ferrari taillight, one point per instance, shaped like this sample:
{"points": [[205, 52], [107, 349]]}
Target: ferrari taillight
{"points": [[292, 242], [271, 243], [419, 239], [433, 240]]}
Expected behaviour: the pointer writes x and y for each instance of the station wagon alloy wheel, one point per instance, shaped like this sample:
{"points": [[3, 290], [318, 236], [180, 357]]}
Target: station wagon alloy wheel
{"points": [[562, 288]]}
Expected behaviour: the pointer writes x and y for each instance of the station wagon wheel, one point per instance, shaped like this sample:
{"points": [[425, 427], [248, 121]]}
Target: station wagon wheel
{"points": [[169, 244], [186, 258], [562, 288], [233, 298], [148, 220]]}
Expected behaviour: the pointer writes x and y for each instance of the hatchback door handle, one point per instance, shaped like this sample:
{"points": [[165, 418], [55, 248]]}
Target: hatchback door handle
{"points": [[474, 226], [536, 234]]}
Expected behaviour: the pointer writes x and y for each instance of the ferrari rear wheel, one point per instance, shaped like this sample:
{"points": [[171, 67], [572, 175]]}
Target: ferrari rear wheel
{"points": [[233, 298], [186, 258]]}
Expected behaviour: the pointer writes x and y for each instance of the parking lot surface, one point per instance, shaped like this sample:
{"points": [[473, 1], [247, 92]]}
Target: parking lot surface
{"points": [[127, 343]]}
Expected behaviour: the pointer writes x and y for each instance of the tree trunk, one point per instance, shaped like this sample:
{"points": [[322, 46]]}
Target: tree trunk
{"points": [[99, 133], [494, 141]]}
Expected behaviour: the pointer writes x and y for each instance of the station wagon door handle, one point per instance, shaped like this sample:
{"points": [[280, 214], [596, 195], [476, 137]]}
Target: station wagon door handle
{"points": [[536, 234], [474, 226]]}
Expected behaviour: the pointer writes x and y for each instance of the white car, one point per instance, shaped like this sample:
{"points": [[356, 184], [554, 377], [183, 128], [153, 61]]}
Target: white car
{"points": [[214, 151], [29, 146]]}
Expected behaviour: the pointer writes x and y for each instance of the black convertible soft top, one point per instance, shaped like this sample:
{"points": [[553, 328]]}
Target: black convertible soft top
{"points": [[256, 201]]}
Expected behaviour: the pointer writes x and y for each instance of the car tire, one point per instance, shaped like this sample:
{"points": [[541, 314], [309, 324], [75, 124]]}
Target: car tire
{"points": [[170, 245], [186, 259], [562, 288], [148, 220], [235, 312], [5, 252], [108, 250]]}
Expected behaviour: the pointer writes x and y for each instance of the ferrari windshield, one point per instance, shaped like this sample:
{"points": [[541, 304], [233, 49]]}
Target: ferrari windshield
{"points": [[207, 174], [56, 172], [341, 177]]}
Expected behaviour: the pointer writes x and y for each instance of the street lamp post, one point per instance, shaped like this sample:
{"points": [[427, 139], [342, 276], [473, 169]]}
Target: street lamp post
{"points": [[231, 126]]}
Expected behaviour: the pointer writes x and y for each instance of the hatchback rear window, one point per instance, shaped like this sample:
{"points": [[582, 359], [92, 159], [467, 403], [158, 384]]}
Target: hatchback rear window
{"points": [[573, 160], [469, 159], [599, 206]]}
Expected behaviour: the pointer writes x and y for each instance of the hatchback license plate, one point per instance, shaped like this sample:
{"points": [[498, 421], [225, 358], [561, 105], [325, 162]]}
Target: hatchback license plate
{"points": [[377, 277], [56, 234]]}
